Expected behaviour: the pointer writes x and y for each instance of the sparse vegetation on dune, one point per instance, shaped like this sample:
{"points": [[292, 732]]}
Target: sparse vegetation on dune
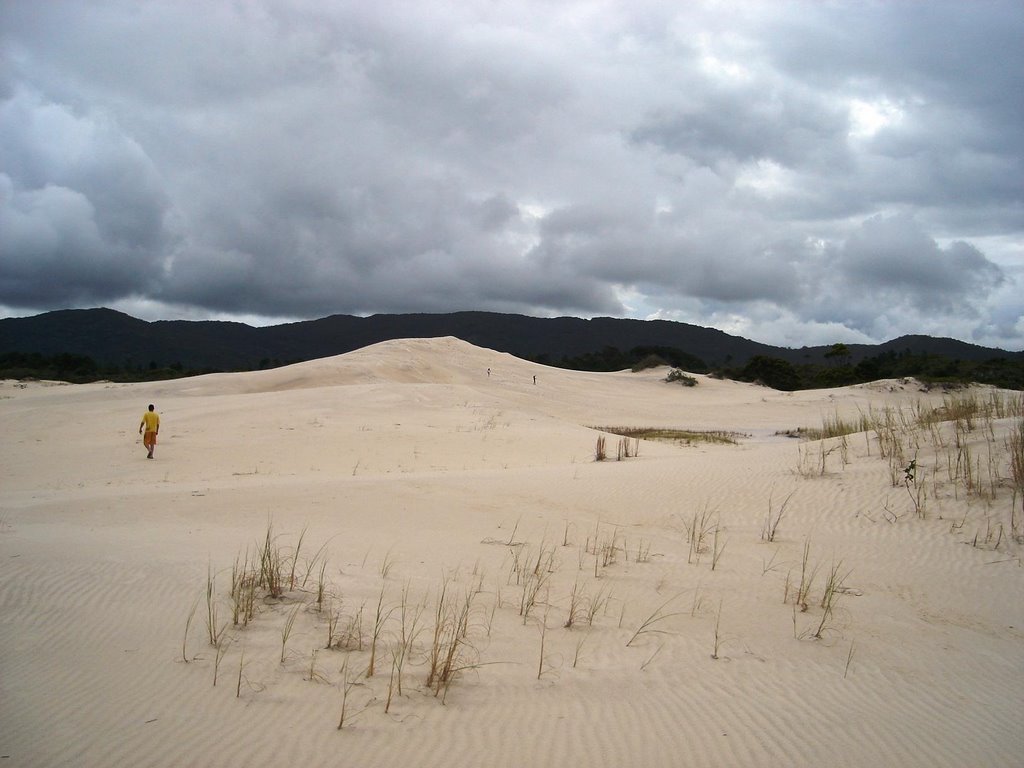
{"points": [[602, 596], [834, 426], [429, 640], [676, 376], [673, 435], [969, 446]]}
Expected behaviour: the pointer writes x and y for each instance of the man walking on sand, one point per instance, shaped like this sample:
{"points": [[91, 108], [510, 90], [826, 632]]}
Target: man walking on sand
{"points": [[151, 424]]}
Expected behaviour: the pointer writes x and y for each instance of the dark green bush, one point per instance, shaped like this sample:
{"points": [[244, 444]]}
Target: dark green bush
{"points": [[676, 375]]}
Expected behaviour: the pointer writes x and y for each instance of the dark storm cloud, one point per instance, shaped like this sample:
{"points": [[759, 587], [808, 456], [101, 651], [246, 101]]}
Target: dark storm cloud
{"points": [[757, 121], [630, 245], [895, 253], [889, 268], [800, 173], [81, 207]]}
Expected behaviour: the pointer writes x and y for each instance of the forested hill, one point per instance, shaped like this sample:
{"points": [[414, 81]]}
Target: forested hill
{"points": [[113, 342], [113, 338]]}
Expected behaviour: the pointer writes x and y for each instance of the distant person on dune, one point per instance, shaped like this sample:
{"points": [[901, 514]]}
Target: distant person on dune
{"points": [[151, 425]]}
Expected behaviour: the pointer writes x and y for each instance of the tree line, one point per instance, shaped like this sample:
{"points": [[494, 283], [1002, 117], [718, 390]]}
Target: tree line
{"points": [[1007, 373], [81, 369], [838, 370]]}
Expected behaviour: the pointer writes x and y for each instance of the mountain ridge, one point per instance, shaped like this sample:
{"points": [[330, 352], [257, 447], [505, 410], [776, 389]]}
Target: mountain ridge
{"points": [[114, 338]]}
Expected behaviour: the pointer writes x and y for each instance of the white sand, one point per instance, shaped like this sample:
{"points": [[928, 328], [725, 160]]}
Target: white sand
{"points": [[411, 467]]}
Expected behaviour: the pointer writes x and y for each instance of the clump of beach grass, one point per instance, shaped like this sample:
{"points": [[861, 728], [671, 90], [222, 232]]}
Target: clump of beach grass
{"points": [[808, 573], [347, 684], [241, 671], [188, 626], [652, 624], [699, 528], [717, 549], [286, 630], [381, 615], [450, 652], [1015, 451], [835, 426], [410, 626], [833, 588], [628, 448], [584, 607], [533, 576], [211, 605], [718, 632], [674, 435], [577, 606], [774, 517], [220, 649]]}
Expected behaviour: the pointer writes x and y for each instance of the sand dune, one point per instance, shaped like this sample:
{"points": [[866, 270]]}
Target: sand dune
{"points": [[409, 472]]}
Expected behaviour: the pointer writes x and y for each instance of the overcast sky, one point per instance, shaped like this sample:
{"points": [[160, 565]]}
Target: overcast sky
{"points": [[793, 172]]}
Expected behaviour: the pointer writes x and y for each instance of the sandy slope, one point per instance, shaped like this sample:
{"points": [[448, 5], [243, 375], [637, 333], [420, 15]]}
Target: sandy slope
{"points": [[415, 470]]}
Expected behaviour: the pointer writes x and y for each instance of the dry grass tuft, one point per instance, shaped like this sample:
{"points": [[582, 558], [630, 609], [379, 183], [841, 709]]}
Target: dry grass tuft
{"points": [[673, 435]]}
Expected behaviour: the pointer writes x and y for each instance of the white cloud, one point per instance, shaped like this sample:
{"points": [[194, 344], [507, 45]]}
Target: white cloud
{"points": [[867, 118]]}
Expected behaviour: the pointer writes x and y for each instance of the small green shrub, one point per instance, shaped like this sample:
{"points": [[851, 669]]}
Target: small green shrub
{"points": [[677, 376]]}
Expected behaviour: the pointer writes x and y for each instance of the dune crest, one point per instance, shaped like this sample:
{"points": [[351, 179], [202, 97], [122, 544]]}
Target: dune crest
{"points": [[444, 360]]}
